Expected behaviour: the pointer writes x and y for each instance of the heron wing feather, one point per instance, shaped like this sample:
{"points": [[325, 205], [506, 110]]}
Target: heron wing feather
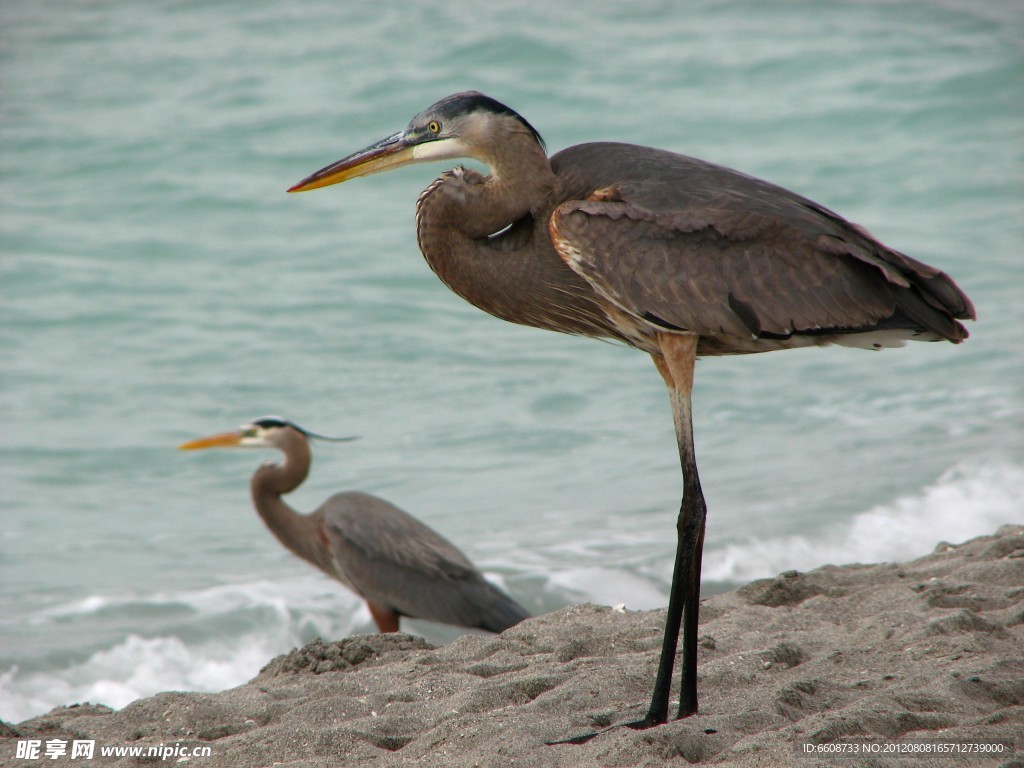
{"points": [[690, 245], [394, 560], [716, 272]]}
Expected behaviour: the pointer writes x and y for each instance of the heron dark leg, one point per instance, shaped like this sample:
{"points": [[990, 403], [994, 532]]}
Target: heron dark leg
{"points": [[676, 367], [676, 364]]}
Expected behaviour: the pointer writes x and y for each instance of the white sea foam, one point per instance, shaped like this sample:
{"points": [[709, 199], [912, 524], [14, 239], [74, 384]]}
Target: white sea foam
{"points": [[967, 501], [248, 624], [609, 586], [134, 668], [243, 626]]}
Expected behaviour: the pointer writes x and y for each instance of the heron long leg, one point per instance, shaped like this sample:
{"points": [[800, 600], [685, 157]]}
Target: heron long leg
{"points": [[676, 364], [676, 367]]}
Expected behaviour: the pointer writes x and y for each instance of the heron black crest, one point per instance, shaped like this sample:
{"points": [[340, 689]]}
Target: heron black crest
{"points": [[276, 422], [474, 101], [270, 422]]}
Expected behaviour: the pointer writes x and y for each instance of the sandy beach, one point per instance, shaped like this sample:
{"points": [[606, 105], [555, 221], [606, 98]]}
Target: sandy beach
{"points": [[872, 658]]}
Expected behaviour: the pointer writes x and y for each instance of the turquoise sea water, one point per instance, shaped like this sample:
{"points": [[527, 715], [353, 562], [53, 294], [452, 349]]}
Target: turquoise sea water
{"points": [[156, 284]]}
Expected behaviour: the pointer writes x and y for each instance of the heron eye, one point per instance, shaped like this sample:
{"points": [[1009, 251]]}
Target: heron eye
{"points": [[434, 127]]}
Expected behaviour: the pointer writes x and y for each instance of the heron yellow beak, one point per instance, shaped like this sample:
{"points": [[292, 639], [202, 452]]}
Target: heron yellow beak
{"points": [[392, 152], [220, 440]]}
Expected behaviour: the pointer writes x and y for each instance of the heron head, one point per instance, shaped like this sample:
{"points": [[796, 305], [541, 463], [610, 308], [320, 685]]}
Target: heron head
{"points": [[264, 432], [463, 125]]}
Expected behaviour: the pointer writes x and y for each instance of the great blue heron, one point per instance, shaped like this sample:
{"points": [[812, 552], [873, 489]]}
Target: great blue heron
{"points": [[389, 558], [672, 255]]}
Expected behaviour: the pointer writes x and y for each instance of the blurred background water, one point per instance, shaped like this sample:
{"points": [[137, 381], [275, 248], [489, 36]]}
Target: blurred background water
{"points": [[158, 284]]}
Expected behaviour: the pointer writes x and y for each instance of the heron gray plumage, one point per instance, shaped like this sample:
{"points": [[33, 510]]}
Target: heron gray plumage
{"points": [[398, 565], [670, 254]]}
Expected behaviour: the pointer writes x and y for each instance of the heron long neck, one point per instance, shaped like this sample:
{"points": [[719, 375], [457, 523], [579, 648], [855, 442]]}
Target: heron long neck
{"points": [[296, 531], [516, 274]]}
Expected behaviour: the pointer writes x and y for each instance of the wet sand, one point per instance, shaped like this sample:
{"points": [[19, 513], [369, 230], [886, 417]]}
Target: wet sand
{"points": [[926, 652]]}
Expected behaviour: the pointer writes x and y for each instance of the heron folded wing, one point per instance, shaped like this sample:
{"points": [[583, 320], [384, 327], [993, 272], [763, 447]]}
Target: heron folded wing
{"points": [[710, 250], [395, 561], [717, 270], [367, 529], [470, 601]]}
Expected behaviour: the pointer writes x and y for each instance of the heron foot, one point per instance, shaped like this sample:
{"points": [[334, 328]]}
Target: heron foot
{"points": [[647, 721], [644, 723], [687, 710]]}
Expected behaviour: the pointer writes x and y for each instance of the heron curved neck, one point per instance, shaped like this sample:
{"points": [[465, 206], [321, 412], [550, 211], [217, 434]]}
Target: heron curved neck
{"points": [[487, 238], [296, 531], [477, 205]]}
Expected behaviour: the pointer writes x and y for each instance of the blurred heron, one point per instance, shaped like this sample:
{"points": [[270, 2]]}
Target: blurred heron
{"points": [[398, 565]]}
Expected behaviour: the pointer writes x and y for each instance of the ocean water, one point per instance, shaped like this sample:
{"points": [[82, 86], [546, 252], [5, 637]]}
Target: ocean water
{"points": [[158, 284]]}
